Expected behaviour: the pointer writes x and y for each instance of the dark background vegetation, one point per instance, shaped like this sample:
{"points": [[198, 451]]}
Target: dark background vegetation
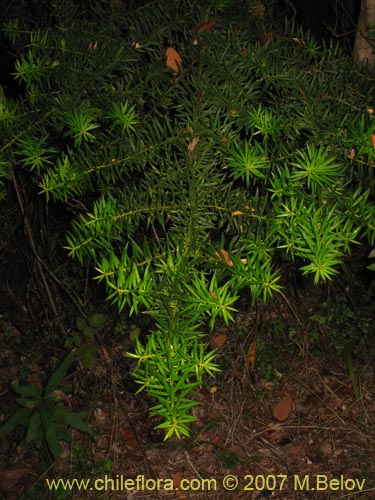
{"points": [[325, 20]]}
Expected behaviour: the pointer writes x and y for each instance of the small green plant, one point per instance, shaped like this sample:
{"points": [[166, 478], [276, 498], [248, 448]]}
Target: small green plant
{"points": [[43, 413], [84, 337], [169, 372]]}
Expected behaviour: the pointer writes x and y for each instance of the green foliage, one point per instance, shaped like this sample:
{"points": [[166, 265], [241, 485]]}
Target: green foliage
{"points": [[193, 189], [124, 116], [83, 339], [316, 168], [32, 153], [43, 413], [79, 122], [169, 372], [31, 69]]}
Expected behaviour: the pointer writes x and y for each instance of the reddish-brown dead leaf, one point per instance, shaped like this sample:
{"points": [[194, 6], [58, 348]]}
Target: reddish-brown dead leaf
{"points": [[205, 26], [177, 478], [275, 436], [250, 355], [129, 435], [192, 147], [225, 255], [219, 341], [282, 410], [373, 140], [173, 59], [193, 143]]}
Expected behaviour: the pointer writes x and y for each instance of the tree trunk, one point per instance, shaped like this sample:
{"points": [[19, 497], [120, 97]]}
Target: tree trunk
{"points": [[363, 51]]}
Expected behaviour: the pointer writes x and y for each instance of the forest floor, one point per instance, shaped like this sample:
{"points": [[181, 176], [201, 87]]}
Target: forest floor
{"points": [[286, 418]]}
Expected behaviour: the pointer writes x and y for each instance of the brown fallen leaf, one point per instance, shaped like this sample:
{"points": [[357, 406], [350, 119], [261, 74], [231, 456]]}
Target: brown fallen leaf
{"points": [[219, 341], [250, 355], [193, 143], [128, 435], [282, 410], [192, 146], [225, 255], [275, 436], [205, 26], [373, 140], [173, 59], [177, 478]]}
